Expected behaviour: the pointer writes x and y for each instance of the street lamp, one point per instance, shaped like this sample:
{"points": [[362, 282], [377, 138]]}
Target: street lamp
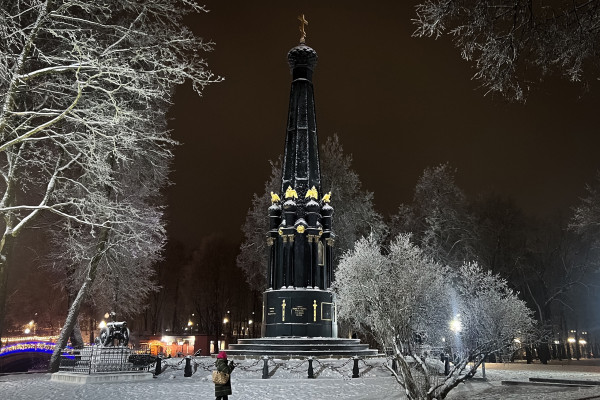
{"points": [[455, 324]]}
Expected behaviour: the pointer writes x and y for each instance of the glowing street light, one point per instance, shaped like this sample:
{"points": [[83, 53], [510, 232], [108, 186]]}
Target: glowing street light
{"points": [[456, 325]]}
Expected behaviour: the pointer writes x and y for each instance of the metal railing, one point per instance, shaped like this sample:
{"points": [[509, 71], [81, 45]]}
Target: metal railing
{"points": [[98, 359]]}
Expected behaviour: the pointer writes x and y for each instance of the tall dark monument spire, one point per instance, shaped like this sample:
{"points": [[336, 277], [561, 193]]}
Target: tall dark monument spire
{"points": [[299, 300], [301, 169], [299, 311]]}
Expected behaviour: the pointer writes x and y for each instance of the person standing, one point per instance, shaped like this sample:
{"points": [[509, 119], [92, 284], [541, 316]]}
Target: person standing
{"points": [[224, 390]]}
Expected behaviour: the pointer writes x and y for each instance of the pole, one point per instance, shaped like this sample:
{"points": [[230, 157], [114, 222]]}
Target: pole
{"points": [[483, 368], [355, 371], [187, 372], [157, 370], [265, 374]]}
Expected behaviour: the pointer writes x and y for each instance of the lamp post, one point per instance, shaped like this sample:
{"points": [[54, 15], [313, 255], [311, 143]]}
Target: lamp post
{"points": [[583, 342], [455, 326], [226, 334]]}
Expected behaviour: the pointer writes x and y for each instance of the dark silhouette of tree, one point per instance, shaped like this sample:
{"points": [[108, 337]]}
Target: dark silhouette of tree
{"points": [[516, 44], [438, 218]]}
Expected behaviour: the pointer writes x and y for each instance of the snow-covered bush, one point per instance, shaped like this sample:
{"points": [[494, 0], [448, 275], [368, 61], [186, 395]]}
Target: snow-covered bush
{"points": [[419, 309]]}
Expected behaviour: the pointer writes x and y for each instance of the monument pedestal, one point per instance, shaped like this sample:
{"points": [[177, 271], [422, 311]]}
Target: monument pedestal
{"points": [[299, 347], [299, 313]]}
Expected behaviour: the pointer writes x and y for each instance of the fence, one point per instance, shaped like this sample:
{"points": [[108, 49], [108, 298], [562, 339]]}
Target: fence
{"points": [[97, 359]]}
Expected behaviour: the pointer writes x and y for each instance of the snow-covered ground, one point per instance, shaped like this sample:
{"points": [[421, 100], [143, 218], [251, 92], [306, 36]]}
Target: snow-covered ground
{"points": [[289, 381]]}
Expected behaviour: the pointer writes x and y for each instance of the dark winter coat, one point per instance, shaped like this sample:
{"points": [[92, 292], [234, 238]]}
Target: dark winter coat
{"points": [[222, 366]]}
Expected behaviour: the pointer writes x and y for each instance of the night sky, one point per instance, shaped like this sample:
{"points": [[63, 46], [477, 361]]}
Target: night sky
{"points": [[398, 104]]}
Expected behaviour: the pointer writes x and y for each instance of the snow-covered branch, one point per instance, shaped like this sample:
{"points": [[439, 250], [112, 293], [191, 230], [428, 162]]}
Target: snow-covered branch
{"points": [[84, 90], [420, 309]]}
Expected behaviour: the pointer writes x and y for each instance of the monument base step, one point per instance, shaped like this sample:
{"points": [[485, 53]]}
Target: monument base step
{"points": [[300, 346], [71, 377]]}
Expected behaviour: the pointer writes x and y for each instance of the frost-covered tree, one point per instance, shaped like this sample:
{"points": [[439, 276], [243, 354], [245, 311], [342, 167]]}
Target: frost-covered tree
{"points": [[116, 268], [84, 88], [438, 218], [252, 258], [515, 44], [354, 214], [586, 218], [418, 308]]}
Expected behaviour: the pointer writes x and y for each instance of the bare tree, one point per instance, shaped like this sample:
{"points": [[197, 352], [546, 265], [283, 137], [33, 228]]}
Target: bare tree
{"points": [[252, 258], [586, 218], [418, 308], [216, 289], [438, 218], [84, 87], [515, 44], [502, 230]]}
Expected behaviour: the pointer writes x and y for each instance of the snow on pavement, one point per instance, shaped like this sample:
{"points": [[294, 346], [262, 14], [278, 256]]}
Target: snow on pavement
{"points": [[290, 382]]}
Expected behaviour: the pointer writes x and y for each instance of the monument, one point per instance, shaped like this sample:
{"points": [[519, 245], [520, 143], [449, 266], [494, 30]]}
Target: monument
{"points": [[299, 312], [299, 301]]}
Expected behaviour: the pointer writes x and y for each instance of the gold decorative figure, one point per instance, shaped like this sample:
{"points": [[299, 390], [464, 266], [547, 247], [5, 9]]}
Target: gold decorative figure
{"points": [[291, 193], [327, 198], [275, 198], [303, 22], [300, 229], [312, 193], [314, 311], [283, 311]]}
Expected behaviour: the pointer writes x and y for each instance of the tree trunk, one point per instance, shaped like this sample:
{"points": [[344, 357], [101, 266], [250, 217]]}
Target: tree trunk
{"points": [[71, 320], [75, 337], [175, 320], [69, 325], [5, 252]]}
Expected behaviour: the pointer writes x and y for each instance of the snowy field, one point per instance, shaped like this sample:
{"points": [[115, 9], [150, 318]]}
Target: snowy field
{"points": [[289, 381]]}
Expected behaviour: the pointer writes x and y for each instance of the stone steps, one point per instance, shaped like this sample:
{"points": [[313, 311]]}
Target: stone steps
{"points": [[297, 346]]}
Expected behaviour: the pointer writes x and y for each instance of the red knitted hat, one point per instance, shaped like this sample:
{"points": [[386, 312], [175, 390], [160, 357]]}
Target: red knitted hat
{"points": [[222, 354]]}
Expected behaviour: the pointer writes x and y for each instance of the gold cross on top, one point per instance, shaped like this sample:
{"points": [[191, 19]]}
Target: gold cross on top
{"points": [[303, 22]]}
